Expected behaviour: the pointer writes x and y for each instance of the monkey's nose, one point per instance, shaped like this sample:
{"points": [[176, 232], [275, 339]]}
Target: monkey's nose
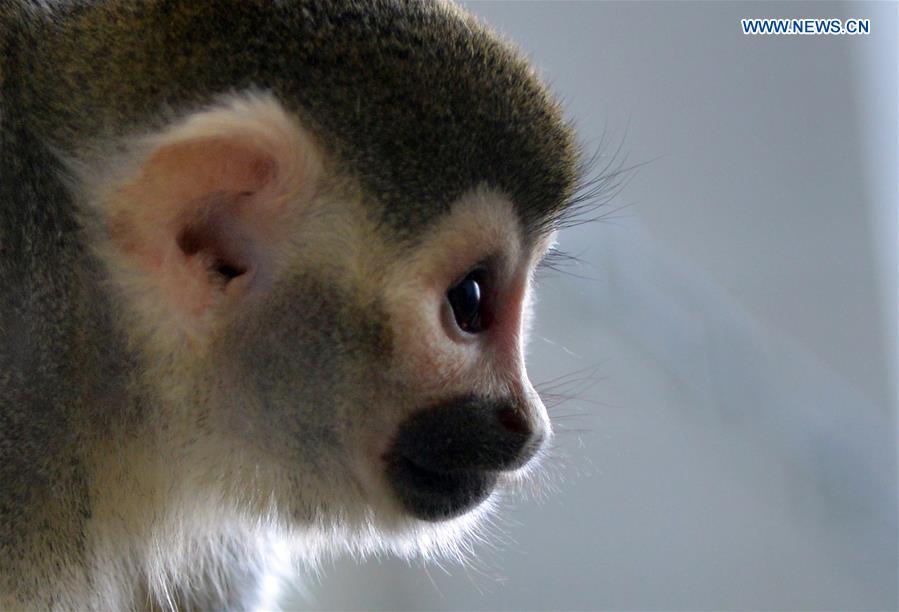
{"points": [[446, 459]]}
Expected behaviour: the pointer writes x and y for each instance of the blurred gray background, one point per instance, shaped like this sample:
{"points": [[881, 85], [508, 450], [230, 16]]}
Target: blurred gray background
{"points": [[729, 341]]}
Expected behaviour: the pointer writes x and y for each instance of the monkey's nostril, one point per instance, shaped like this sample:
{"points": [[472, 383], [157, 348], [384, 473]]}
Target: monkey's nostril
{"points": [[513, 421]]}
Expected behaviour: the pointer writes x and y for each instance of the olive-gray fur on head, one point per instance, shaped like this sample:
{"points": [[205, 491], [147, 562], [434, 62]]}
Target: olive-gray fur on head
{"points": [[417, 99]]}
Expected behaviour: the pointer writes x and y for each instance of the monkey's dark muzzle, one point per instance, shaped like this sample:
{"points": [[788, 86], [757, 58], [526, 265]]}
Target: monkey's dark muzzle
{"points": [[447, 459]]}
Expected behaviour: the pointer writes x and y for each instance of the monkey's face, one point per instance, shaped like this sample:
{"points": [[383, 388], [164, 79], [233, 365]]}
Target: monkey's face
{"points": [[460, 416], [313, 363], [391, 376]]}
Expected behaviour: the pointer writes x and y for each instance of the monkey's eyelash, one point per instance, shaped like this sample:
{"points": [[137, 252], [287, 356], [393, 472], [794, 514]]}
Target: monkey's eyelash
{"points": [[555, 259], [558, 261]]}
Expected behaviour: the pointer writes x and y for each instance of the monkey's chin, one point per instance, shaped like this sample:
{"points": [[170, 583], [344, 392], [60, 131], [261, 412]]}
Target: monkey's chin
{"points": [[408, 536], [384, 523], [387, 530]]}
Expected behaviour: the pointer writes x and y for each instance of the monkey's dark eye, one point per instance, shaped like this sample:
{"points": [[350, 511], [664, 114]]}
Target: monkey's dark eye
{"points": [[467, 301]]}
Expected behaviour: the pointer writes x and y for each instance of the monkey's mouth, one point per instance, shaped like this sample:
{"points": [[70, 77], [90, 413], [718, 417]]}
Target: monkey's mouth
{"points": [[447, 459], [433, 495]]}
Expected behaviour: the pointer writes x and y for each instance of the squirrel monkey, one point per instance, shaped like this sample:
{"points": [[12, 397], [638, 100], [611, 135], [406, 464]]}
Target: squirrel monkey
{"points": [[265, 268]]}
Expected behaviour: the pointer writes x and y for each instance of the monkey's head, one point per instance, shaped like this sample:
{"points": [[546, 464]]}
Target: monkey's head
{"points": [[325, 251]]}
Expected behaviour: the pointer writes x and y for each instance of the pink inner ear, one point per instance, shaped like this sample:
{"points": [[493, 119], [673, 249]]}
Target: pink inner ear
{"points": [[196, 217]]}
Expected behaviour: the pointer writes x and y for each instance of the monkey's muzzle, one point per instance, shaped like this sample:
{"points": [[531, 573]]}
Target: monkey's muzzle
{"points": [[447, 459]]}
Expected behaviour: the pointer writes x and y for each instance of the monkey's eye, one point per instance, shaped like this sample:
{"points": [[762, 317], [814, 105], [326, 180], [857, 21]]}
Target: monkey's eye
{"points": [[467, 301]]}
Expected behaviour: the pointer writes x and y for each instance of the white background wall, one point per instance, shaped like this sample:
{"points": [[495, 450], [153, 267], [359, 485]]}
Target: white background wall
{"points": [[738, 446]]}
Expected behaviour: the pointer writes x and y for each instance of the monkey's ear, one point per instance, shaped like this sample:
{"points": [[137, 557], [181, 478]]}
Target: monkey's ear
{"points": [[199, 221]]}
